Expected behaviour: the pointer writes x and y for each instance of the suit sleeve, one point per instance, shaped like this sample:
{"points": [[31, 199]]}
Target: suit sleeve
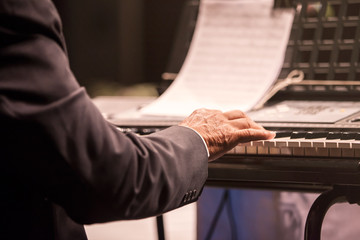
{"points": [[70, 154]]}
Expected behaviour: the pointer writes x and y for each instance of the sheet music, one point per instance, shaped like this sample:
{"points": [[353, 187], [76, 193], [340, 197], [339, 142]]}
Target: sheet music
{"points": [[235, 56]]}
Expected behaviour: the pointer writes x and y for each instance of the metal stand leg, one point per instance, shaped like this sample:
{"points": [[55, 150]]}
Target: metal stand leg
{"points": [[160, 227], [321, 205]]}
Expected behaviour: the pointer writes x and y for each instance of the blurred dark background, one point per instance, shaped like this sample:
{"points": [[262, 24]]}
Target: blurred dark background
{"points": [[114, 44]]}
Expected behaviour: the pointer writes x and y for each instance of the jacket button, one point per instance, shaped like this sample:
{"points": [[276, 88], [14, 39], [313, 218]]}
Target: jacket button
{"points": [[194, 194], [190, 196], [185, 199]]}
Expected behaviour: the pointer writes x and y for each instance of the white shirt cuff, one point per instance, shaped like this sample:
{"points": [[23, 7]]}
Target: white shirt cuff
{"points": [[207, 150]]}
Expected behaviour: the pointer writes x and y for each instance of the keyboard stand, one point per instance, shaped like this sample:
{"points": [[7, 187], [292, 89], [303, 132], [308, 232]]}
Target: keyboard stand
{"points": [[337, 194], [160, 227]]}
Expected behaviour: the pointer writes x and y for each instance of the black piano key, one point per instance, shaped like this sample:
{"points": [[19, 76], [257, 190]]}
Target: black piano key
{"points": [[282, 134], [299, 134], [357, 137], [315, 135], [348, 136], [334, 135]]}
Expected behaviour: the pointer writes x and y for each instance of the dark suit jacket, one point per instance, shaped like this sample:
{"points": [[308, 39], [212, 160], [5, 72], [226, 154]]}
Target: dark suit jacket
{"points": [[62, 165]]}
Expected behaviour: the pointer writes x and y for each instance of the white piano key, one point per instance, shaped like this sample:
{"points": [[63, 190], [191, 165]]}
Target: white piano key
{"points": [[347, 152], [281, 143], [316, 152], [323, 152], [258, 143], [335, 152], [269, 143], [232, 151], [298, 151], [294, 143], [309, 151], [357, 152], [355, 144], [240, 149], [331, 143], [251, 150], [319, 143], [316, 147], [247, 144], [306, 143], [345, 143], [274, 151], [263, 150], [288, 151]]}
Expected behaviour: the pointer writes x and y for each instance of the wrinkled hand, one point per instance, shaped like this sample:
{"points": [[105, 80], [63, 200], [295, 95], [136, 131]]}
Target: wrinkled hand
{"points": [[223, 131]]}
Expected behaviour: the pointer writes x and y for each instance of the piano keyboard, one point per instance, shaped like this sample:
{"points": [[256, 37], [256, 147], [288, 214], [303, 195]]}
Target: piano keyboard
{"points": [[293, 143], [305, 143]]}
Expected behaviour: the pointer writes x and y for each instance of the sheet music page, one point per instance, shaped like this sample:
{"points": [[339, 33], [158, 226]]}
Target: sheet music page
{"points": [[235, 56]]}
